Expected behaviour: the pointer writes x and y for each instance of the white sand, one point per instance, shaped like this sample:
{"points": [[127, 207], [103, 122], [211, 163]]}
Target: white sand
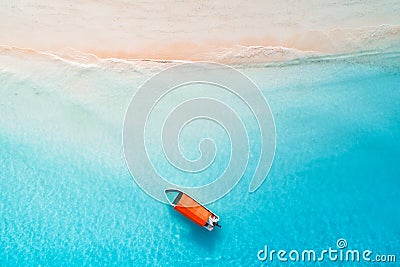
{"points": [[200, 29]]}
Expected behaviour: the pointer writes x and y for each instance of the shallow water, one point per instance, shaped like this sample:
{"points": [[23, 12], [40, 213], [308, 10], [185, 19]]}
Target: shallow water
{"points": [[67, 198]]}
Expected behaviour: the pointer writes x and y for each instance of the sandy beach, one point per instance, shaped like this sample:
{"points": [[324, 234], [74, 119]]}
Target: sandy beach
{"points": [[231, 31]]}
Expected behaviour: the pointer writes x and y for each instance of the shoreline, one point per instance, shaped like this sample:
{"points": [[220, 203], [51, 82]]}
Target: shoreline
{"points": [[278, 56], [318, 43]]}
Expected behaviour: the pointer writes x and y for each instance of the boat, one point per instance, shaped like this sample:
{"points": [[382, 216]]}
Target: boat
{"points": [[191, 209]]}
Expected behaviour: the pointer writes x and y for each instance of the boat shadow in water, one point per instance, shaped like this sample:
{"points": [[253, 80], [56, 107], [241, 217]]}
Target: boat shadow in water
{"points": [[190, 231]]}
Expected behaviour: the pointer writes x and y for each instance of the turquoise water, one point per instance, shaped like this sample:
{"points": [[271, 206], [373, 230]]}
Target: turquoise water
{"points": [[67, 198]]}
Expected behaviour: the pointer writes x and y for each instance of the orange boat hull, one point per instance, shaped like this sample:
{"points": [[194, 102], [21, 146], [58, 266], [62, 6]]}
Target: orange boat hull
{"points": [[191, 209]]}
